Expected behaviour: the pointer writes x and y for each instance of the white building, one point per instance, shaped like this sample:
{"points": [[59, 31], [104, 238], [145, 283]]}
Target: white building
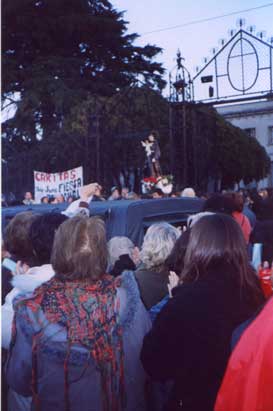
{"points": [[256, 118]]}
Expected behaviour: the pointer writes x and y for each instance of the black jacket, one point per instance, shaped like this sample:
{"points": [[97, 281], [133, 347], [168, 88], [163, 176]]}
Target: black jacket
{"points": [[263, 233], [190, 340], [153, 286], [123, 263]]}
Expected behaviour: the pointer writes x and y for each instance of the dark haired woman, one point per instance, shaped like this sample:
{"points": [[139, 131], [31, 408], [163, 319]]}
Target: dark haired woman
{"points": [[77, 339], [17, 244], [190, 339]]}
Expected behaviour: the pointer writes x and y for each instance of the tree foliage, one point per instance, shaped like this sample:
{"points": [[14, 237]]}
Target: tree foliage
{"points": [[216, 150], [86, 94], [56, 54], [238, 156]]}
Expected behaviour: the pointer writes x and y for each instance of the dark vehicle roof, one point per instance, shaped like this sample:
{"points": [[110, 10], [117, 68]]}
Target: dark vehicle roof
{"points": [[124, 217]]}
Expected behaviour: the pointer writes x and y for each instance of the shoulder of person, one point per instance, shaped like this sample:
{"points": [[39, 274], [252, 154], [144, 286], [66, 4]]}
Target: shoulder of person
{"points": [[128, 285], [27, 314], [141, 272], [130, 302], [33, 278], [192, 294]]}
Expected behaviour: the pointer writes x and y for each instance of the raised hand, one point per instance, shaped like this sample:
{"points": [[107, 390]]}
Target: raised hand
{"points": [[173, 282]]}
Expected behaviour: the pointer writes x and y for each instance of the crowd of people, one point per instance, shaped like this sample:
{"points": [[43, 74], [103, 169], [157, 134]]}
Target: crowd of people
{"points": [[183, 323], [260, 201]]}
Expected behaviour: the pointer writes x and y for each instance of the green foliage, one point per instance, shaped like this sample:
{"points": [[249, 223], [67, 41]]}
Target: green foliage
{"points": [[57, 54], [91, 95], [215, 150], [236, 156]]}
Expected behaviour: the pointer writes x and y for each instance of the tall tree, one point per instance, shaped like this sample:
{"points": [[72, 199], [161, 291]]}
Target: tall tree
{"points": [[56, 53], [216, 150]]}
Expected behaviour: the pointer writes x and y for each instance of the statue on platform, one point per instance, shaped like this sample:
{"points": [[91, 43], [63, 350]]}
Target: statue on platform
{"points": [[152, 151]]}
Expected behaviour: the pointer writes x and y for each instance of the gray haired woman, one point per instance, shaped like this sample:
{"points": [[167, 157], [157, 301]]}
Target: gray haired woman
{"points": [[152, 276], [122, 255]]}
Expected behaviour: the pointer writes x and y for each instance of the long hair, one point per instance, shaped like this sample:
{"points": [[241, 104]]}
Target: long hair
{"points": [[175, 261], [217, 240]]}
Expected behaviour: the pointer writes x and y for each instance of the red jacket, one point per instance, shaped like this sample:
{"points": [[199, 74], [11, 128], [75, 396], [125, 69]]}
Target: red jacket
{"points": [[247, 385], [244, 223]]}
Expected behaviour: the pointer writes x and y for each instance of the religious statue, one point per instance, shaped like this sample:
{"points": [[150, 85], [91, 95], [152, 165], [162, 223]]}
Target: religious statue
{"points": [[152, 151]]}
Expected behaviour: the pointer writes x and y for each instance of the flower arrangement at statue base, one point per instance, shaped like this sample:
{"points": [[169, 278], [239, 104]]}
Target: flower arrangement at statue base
{"points": [[164, 183]]}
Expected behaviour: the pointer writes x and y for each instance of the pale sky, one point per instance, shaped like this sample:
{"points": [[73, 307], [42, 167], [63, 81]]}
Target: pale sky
{"points": [[195, 41]]}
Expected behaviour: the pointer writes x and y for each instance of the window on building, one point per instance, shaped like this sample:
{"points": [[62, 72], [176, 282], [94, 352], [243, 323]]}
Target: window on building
{"points": [[270, 135], [251, 132]]}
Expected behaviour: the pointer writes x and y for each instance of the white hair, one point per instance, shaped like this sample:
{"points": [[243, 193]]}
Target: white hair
{"points": [[158, 244], [118, 246], [188, 192]]}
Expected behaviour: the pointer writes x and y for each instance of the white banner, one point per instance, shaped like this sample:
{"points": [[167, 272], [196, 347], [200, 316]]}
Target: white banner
{"points": [[66, 183]]}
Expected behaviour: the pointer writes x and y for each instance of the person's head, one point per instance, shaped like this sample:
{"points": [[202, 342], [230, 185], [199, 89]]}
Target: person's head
{"points": [[28, 195], [115, 193], [41, 235], [125, 192], [16, 237], [157, 193], [216, 241], [237, 201], [152, 136], [80, 249], [118, 246], [188, 192], [59, 199], [52, 200], [132, 196], [158, 244], [218, 203], [70, 199], [44, 200]]}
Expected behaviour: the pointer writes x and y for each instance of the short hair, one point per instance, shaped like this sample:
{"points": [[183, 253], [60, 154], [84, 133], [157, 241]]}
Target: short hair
{"points": [[43, 198], [158, 244], [80, 249], [16, 236], [41, 234], [118, 246]]}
